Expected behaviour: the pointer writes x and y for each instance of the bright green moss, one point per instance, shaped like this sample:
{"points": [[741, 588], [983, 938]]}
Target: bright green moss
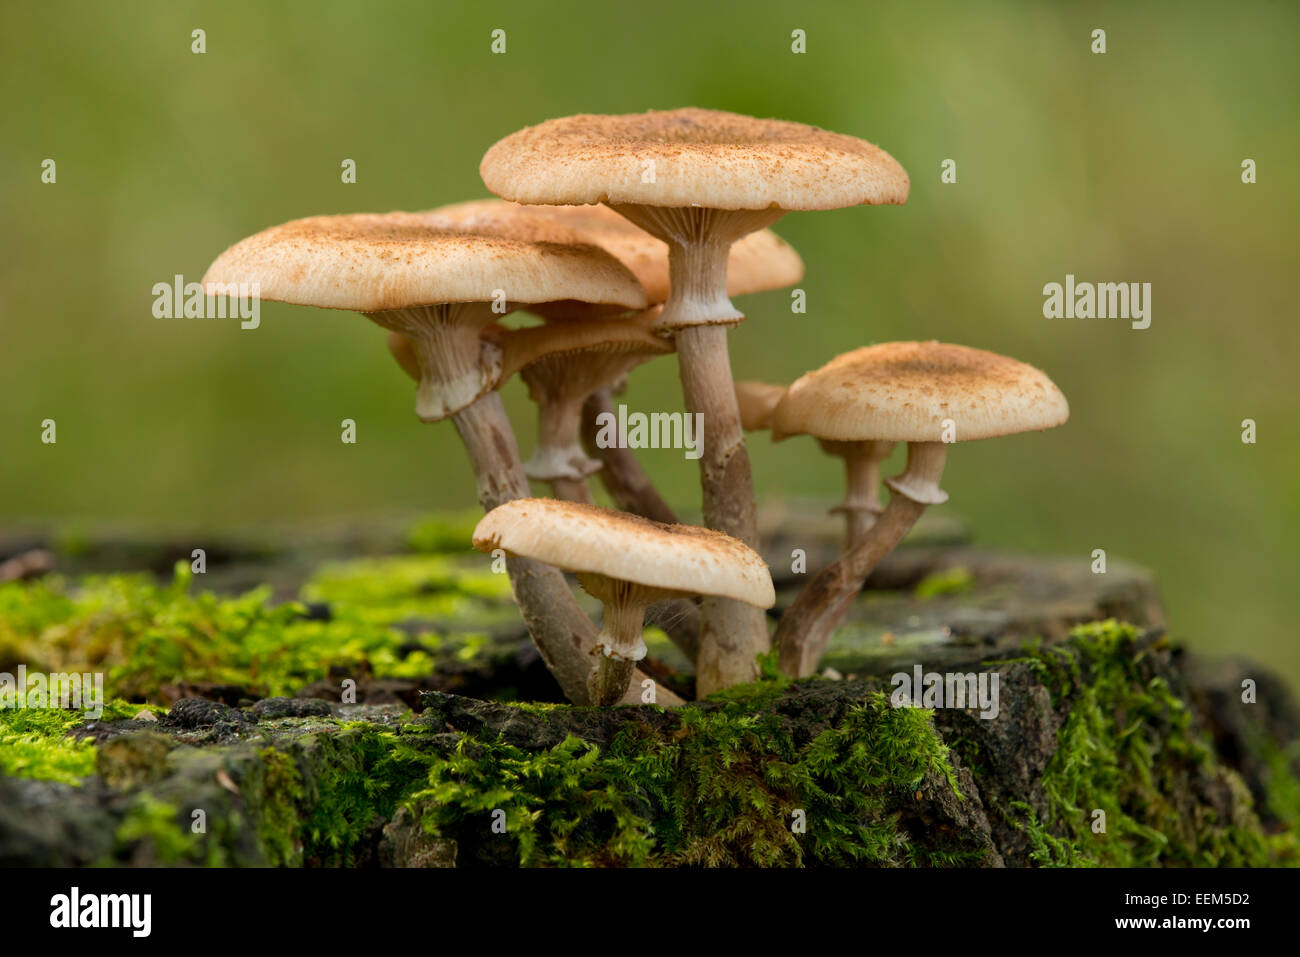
{"points": [[949, 581], [386, 590], [34, 742], [445, 533], [144, 636]]}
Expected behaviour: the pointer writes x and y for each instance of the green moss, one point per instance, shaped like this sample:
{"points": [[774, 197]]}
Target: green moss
{"points": [[444, 533], [34, 742], [335, 789], [721, 790], [277, 817], [145, 636], [771, 684], [387, 590], [1281, 793], [162, 826], [1129, 747], [949, 581]]}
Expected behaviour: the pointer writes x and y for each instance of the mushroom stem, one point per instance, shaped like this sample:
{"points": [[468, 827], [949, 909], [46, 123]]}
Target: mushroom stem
{"points": [[732, 634], [698, 312], [611, 681], [621, 474], [861, 505], [806, 626], [572, 490], [620, 644], [559, 452], [455, 365], [564, 635]]}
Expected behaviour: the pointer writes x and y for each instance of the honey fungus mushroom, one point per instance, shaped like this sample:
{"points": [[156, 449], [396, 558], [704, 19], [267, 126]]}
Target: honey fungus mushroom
{"points": [[563, 362], [440, 282], [927, 394], [699, 180], [759, 404], [757, 262], [626, 562]]}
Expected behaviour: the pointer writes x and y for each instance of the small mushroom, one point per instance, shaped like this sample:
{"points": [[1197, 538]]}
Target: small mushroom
{"points": [[759, 404], [699, 180], [440, 280], [679, 618], [757, 262], [627, 562], [807, 412], [927, 394], [563, 362]]}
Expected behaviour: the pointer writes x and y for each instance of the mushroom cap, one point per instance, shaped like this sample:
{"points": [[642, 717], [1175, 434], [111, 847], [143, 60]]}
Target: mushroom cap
{"points": [[902, 392], [757, 262], [371, 262], [757, 401], [626, 547], [631, 335], [700, 158]]}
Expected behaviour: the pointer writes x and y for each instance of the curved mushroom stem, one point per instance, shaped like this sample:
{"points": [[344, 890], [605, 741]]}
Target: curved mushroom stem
{"points": [[698, 312], [806, 626], [861, 505], [562, 632], [621, 474]]}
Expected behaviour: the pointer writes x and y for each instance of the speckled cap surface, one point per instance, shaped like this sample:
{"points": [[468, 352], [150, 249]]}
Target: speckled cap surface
{"points": [[371, 262], [625, 547], [691, 157], [903, 391]]}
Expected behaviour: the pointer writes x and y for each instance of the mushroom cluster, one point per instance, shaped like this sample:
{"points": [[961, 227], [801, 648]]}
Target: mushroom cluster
{"points": [[626, 237]]}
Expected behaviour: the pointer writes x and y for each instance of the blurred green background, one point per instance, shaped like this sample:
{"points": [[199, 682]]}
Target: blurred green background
{"points": [[1116, 167]]}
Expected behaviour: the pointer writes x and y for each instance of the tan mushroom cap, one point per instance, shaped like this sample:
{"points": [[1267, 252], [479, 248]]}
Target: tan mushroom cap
{"points": [[585, 538], [757, 401], [371, 262], [632, 335], [903, 391], [700, 158]]}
